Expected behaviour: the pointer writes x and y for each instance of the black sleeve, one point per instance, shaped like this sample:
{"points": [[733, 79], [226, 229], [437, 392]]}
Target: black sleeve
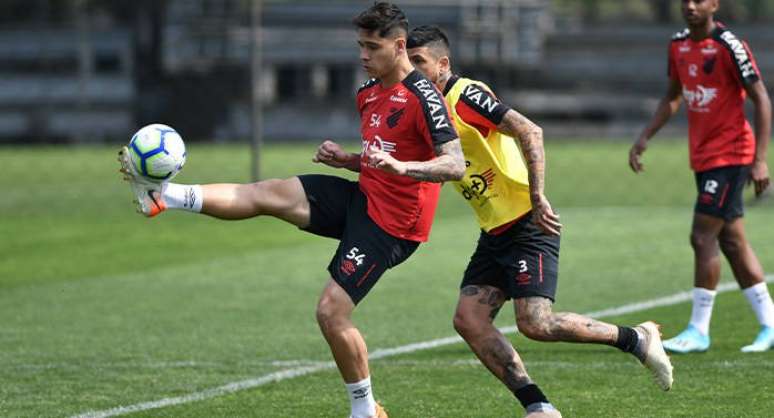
{"points": [[433, 112], [741, 57], [484, 103]]}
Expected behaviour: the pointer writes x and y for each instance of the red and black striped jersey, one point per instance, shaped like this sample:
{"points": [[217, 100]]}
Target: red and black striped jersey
{"points": [[407, 120], [713, 73]]}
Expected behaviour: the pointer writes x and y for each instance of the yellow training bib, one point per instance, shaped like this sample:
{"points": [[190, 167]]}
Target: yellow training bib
{"points": [[495, 184]]}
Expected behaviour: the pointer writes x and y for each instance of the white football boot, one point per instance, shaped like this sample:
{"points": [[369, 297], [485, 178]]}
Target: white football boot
{"points": [[147, 193], [543, 412], [651, 353]]}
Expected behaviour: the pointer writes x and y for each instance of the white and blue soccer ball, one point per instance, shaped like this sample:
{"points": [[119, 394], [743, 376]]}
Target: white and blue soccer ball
{"points": [[157, 152]]}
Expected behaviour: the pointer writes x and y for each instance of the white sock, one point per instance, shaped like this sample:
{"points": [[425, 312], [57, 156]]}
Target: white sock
{"points": [[703, 299], [361, 398], [185, 197], [760, 300]]}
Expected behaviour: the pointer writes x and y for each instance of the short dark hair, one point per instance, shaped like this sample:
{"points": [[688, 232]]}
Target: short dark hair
{"points": [[384, 18], [430, 36]]}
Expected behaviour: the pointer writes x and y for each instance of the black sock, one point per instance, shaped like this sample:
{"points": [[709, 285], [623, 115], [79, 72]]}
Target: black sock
{"points": [[627, 339], [530, 394]]}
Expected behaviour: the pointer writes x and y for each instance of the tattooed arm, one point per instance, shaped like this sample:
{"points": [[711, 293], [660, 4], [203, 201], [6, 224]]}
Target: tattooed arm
{"points": [[448, 165], [530, 137]]}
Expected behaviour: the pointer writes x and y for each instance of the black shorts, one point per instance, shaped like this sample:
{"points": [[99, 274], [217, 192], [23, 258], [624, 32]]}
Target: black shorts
{"points": [[721, 191], [521, 261], [338, 209]]}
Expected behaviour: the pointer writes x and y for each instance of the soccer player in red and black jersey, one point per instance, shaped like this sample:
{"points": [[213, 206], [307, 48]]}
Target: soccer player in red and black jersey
{"points": [[409, 146], [713, 71]]}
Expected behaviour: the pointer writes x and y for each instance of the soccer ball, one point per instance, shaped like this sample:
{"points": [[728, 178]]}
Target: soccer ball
{"points": [[157, 152]]}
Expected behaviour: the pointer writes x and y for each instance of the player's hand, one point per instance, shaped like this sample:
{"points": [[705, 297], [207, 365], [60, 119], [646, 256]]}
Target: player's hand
{"points": [[635, 155], [544, 217], [331, 154], [759, 177], [384, 161]]}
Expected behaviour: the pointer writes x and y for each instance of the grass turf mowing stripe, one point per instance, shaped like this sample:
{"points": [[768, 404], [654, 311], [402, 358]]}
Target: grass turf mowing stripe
{"points": [[377, 354]]}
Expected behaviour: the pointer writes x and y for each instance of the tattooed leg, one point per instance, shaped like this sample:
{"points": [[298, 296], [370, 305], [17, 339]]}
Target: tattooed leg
{"points": [[536, 320], [476, 310]]}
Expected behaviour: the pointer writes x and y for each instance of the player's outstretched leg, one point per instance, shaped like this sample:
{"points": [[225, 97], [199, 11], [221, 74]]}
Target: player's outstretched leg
{"points": [[477, 307], [537, 321], [749, 274], [281, 198]]}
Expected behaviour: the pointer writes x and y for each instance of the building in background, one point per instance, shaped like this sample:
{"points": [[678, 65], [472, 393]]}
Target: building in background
{"points": [[65, 74], [94, 70]]}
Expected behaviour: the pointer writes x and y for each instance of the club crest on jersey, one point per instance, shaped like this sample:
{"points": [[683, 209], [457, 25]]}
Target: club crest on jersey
{"points": [[394, 118], [709, 64], [699, 99], [434, 103], [478, 96], [740, 54]]}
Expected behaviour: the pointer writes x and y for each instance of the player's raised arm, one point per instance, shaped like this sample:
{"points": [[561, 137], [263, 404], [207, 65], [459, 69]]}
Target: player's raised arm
{"points": [[333, 155], [530, 137], [759, 174], [448, 165], [667, 107]]}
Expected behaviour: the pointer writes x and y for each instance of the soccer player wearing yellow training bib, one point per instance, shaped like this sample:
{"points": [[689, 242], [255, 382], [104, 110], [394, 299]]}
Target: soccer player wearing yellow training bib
{"points": [[517, 256]]}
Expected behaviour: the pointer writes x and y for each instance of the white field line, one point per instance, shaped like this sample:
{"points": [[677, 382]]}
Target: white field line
{"points": [[756, 362], [374, 355], [166, 365]]}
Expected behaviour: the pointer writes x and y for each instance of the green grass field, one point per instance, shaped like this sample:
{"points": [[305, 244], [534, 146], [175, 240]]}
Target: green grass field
{"points": [[101, 308]]}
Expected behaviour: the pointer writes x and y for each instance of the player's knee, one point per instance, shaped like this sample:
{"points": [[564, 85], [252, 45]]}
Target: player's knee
{"points": [[466, 324], [701, 241], [332, 312], [533, 328], [326, 314], [264, 196], [275, 197]]}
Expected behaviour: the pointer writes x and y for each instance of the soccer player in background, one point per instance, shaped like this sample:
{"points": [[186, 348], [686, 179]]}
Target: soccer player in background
{"points": [[712, 70], [409, 146], [517, 255]]}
